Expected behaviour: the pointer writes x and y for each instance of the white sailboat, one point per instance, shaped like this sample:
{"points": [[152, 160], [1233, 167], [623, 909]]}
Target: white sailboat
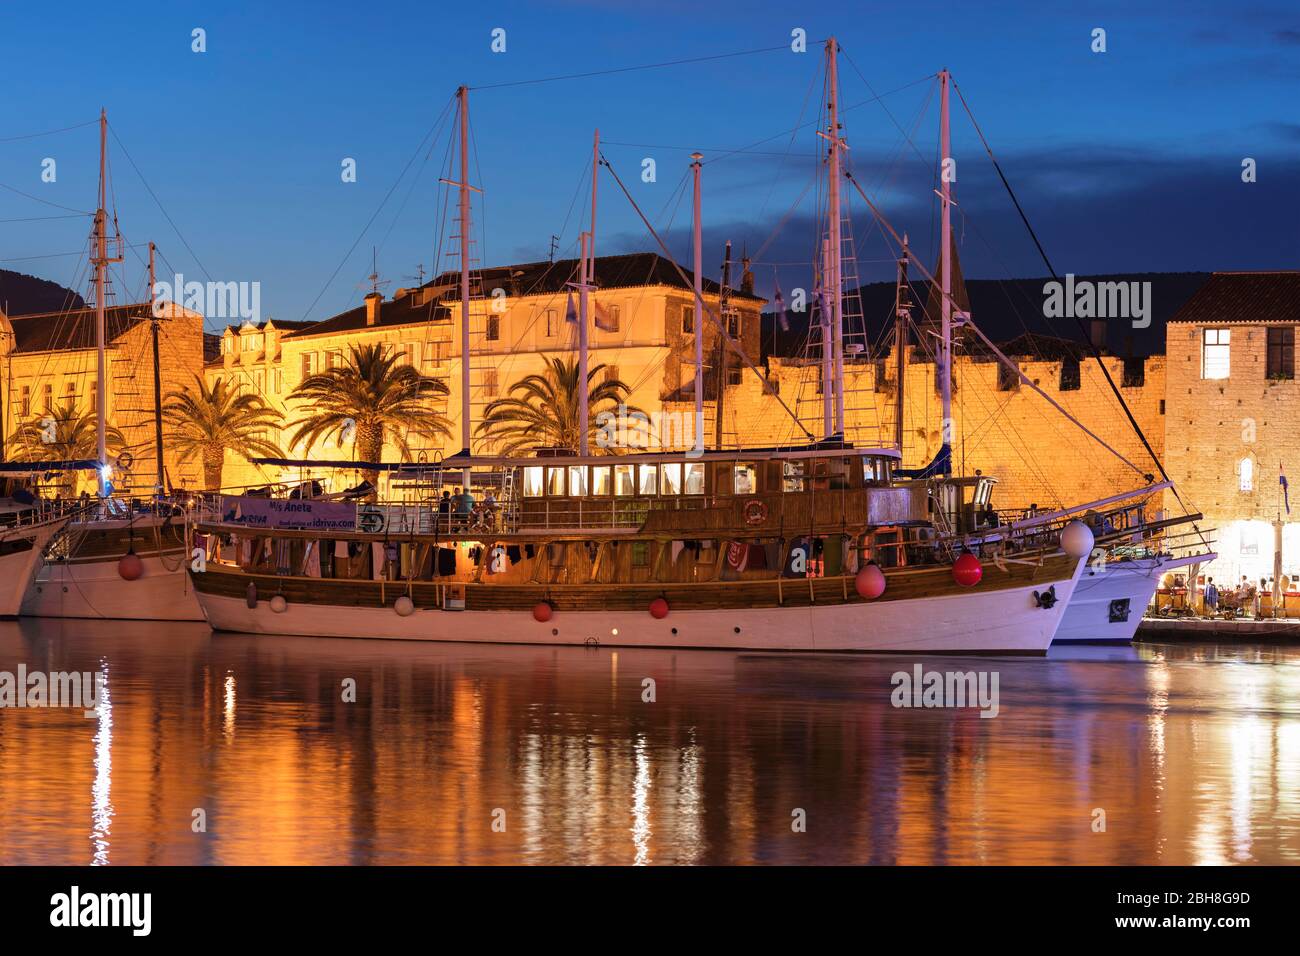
{"points": [[113, 562]]}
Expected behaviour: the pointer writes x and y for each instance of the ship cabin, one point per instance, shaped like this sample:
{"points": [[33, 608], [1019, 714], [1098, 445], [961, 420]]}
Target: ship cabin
{"points": [[683, 517], [750, 490]]}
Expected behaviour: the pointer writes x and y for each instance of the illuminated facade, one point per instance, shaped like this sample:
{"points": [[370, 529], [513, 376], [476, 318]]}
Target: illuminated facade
{"points": [[50, 360]]}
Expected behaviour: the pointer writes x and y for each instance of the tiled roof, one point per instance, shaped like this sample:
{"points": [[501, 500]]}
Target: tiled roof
{"points": [[529, 278], [1244, 297], [612, 272], [74, 329], [392, 312]]}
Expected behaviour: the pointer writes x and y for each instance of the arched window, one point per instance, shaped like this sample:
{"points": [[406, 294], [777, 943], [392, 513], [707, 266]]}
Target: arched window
{"points": [[1247, 475]]}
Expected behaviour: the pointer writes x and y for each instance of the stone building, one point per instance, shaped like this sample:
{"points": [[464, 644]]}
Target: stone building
{"points": [[1233, 425], [518, 319], [50, 360]]}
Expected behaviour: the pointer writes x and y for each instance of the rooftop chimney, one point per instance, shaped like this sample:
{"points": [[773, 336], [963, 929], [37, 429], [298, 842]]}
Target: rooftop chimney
{"points": [[372, 308], [1097, 333]]}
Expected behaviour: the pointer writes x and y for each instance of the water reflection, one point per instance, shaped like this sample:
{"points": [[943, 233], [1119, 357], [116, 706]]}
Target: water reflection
{"points": [[1192, 752]]}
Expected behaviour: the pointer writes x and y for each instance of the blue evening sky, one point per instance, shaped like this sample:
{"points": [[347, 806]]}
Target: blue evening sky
{"points": [[1127, 160]]}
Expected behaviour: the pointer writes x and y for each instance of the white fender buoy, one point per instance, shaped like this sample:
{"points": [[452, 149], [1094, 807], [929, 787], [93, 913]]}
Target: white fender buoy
{"points": [[1077, 540], [279, 604], [404, 606]]}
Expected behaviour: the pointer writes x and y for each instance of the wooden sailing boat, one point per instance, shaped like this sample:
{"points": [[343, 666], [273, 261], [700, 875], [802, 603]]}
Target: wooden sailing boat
{"points": [[118, 561], [813, 547], [27, 526], [1132, 548]]}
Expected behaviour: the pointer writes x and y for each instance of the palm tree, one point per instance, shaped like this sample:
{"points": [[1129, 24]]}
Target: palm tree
{"points": [[373, 399], [541, 411], [61, 434], [211, 421]]}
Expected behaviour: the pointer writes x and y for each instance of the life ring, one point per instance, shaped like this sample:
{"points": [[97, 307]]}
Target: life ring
{"points": [[125, 461], [755, 511]]}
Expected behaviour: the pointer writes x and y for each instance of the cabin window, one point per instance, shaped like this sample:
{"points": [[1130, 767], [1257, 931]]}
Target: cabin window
{"points": [[792, 473], [555, 481], [533, 482], [648, 479], [694, 484], [745, 478], [600, 480], [624, 480], [640, 554], [1214, 353], [875, 469], [577, 481], [688, 319], [672, 483]]}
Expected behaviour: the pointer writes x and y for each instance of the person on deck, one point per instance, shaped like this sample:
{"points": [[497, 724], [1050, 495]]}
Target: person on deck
{"points": [[463, 502], [1211, 597]]}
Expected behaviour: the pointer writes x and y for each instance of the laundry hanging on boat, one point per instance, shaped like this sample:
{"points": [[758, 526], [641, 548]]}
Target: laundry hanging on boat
{"points": [[378, 558], [283, 559], [311, 560], [446, 558]]}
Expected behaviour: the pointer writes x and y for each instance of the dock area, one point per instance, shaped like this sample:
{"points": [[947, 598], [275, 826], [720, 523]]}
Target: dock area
{"points": [[1247, 630]]}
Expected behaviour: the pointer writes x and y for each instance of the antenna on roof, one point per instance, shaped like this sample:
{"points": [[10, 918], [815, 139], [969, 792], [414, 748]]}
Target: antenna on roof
{"points": [[555, 241], [419, 273], [372, 280]]}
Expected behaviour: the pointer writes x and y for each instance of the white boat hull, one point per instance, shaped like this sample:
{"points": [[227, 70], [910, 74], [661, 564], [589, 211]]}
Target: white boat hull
{"points": [[94, 589], [1108, 604], [1006, 621], [18, 568]]}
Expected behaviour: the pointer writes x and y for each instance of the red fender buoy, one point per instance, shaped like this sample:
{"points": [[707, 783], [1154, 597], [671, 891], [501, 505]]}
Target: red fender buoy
{"points": [[659, 609], [129, 566], [967, 570], [542, 611], [870, 581]]}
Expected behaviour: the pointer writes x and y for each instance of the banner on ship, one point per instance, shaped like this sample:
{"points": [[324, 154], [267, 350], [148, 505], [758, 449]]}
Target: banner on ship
{"points": [[290, 513]]}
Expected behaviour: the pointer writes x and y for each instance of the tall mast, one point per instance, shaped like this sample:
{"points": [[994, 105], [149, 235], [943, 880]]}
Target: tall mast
{"points": [[157, 373], [828, 359], [583, 363], [697, 236], [836, 241], [902, 312], [586, 276], [101, 266], [463, 95], [945, 266], [722, 347]]}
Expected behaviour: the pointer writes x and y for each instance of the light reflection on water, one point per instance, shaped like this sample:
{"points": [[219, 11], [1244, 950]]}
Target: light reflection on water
{"points": [[1193, 753]]}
